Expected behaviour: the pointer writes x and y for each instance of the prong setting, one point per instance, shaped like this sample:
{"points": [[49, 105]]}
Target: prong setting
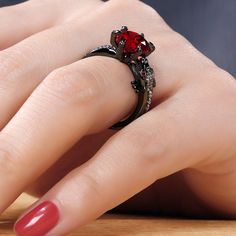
{"points": [[120, 50], [113, 37], [152, 47], [118, 41], [136, 55], [132, 49], [124, 29]]}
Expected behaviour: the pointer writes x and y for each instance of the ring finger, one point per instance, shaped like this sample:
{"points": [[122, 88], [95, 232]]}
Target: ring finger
{"points": [[71, 102]]}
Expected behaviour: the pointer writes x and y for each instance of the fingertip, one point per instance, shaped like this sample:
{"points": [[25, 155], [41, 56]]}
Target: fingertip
{"points": [[39, 221]]}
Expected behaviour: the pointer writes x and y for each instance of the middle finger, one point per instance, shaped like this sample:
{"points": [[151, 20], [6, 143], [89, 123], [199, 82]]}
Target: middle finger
{"points": [[27, 63]]}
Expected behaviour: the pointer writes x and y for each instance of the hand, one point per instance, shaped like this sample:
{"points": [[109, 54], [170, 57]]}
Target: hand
{"points": [[53, 98]]}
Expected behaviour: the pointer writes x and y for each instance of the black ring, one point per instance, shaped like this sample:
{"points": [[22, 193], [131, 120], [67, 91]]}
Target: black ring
{"points": [[144, 79]]}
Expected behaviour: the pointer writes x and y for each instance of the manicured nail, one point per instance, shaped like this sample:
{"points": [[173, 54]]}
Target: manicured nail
{"points": [[39, 221]]}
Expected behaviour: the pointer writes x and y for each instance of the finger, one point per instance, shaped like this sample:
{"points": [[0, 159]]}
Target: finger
{"points": [[82, 98], [27, 63], [130, 161], [20, 21]]}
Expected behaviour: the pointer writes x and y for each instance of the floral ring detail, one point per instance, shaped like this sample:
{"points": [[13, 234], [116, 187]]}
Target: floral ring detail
{"points": [[132, 49]]}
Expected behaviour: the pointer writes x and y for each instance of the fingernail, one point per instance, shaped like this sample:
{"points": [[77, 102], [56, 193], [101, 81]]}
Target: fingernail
{"points": [[39, 221]]}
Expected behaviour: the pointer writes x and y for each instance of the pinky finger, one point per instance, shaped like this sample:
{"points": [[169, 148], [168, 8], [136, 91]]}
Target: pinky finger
{"points": [[130, 161]]}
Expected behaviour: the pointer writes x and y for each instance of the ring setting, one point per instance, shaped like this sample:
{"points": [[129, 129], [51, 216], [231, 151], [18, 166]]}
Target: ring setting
{"points": [[132, 49]]}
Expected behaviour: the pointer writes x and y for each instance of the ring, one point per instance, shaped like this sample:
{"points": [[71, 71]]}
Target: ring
{"points": [[132, 49]]}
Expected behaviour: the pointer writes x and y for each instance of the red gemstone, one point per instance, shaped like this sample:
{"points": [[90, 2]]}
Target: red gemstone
{"points": [[133, 40]]}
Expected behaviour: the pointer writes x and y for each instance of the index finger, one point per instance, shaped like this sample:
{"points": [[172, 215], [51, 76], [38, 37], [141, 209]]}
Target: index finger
{"points": [[129, 162]]}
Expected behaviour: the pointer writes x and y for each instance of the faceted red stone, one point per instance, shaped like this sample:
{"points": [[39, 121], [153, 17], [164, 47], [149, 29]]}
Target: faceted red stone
{"points": [[133, 40]]}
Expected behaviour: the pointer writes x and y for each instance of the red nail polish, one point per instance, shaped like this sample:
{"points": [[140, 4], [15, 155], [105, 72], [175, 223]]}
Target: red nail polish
{"points": [[39, 221]]}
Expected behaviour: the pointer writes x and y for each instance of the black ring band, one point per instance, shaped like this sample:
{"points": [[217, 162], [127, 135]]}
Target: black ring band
{"points": [[144, 80]]}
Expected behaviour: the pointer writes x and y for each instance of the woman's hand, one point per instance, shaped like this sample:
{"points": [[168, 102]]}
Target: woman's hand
{"points": [[51, 98]]}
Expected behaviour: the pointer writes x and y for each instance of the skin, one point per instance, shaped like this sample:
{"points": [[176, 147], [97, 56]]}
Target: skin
{"points": [[177, 159]]}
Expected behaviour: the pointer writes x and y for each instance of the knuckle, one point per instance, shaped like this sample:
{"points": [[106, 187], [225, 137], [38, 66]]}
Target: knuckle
{"points": [[175, 41], [226, 77], [12, 62], [136, 6], [9, 62], [143, 141], [8, 158], [78, 86], [91, 182], [139, 138], [150, 143], [222, 83], [86, 183], [123, 4]]}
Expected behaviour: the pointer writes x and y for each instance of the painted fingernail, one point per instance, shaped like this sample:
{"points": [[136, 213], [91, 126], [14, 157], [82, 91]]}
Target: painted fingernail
{"points": [[39, 221]]}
